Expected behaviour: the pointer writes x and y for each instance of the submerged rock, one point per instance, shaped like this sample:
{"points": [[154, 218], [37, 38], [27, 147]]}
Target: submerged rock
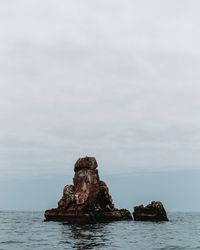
{"points": [[88, 200], [152, 212]]}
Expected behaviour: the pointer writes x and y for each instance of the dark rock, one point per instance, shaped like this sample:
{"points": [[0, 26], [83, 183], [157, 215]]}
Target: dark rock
{"points": [[88, 200], [85, 163], [152, 212]]}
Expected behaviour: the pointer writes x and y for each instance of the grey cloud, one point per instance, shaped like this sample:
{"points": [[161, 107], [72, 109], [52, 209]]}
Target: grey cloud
{"points": [[110, 79]]}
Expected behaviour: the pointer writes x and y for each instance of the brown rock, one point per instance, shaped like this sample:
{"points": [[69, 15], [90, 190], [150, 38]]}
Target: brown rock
{"points": [[88, 200], [152, 212]]}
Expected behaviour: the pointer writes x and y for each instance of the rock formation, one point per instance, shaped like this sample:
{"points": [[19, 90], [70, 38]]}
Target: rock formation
{"points": [[88, 200], [152, 212]]}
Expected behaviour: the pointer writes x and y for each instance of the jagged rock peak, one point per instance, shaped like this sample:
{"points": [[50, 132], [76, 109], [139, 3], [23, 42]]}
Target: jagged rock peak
{"points": [[88, 200], [85, 163]]}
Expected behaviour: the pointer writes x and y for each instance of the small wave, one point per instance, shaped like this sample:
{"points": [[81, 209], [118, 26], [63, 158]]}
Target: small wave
{"points": [[11, 242]]}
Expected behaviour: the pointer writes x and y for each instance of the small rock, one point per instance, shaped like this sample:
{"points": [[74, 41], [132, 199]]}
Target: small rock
{"points": [[153, 212]]}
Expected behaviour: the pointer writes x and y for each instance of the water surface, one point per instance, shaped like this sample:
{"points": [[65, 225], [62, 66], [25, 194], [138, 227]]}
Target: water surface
{"points": [[28, 231]]}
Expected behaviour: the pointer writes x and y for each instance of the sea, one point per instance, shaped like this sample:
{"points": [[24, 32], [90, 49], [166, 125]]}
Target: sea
{"points": [[28, 231]]}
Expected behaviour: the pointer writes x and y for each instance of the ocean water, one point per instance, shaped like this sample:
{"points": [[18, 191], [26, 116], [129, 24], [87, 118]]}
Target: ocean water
{"points": [[27, 230]]}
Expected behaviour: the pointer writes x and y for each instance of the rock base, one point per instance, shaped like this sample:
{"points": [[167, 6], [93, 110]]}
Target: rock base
{"points": [[87, 217]]}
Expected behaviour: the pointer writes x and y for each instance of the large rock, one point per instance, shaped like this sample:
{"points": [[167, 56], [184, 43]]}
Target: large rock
{"points": [[88, 200], [152, 212]]}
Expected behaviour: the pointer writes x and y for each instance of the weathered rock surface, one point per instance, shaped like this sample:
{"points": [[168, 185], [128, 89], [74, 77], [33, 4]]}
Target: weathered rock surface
{"points": [[152, 212], [88, 200]]}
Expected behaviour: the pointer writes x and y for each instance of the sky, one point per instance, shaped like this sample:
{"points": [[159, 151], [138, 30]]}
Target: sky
{"points": [[118, 80]]}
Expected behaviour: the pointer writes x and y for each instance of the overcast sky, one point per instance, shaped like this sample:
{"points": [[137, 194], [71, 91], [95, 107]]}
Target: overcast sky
{"points": [[118, 80]]}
